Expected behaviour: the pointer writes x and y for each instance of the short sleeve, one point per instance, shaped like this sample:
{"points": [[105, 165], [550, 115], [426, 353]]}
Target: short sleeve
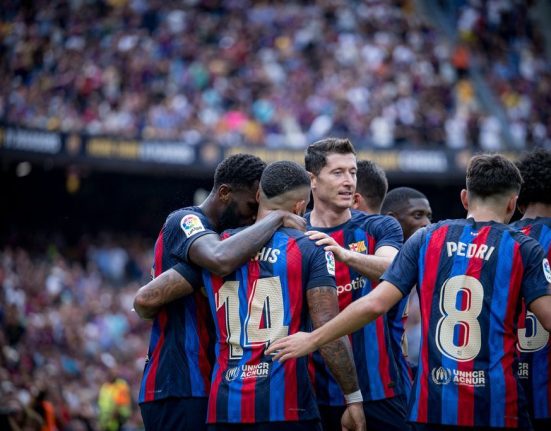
{"points": [[536, 280], [183, 228], [191, 273], [404, 269], [388, 232], [321, 268]]}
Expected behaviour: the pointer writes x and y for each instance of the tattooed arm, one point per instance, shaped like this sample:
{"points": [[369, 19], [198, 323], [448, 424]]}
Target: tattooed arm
{"points": [[167, 287], [222, 257], [323, 306]]}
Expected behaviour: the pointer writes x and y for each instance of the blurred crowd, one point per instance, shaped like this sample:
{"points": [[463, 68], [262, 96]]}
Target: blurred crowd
{"points": [[68, 330], [511, 52], [277, 74]]}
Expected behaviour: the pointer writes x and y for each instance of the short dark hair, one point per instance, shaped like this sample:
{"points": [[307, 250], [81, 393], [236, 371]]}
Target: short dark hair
{"points": [[492, 174], [535, 168], [396, 198], [239, 171], [316, 154], [372, 183], [283, 176]]}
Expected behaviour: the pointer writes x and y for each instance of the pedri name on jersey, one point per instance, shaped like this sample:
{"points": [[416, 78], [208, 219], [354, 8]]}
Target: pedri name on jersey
{"points": [[480, 251]]}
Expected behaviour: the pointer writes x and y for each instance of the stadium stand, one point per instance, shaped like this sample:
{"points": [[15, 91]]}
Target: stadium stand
{"points": [[270, 73]]}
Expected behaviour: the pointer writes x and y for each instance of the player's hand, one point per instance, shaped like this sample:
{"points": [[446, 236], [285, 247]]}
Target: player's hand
{"points": [[293, 346], [353, 418], [328, 243], [293, 221]]}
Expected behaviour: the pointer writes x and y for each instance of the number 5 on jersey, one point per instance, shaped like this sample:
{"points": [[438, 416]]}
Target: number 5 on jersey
{"points": [[263, 322]]}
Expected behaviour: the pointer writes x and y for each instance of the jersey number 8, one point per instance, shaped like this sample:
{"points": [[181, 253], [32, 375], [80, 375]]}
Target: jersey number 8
{"points": [[458, 334]]}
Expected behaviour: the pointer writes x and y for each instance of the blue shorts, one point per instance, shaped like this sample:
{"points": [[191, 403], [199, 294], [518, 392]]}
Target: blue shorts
{"points": [[381, 415], [175, 414], [312, 425]]}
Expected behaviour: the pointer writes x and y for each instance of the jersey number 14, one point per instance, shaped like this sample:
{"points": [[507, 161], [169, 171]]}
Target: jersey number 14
{"points": [[263, 322]]}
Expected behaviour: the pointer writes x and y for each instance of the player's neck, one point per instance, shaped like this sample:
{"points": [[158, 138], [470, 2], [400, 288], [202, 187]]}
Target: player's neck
{"points": [[537, 209], [209, 209], [328, 216], [483, 214]]}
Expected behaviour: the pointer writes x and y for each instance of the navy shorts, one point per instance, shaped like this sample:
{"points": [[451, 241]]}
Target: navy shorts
{"points": [[312, 425], [175, 414], [381, 415]]}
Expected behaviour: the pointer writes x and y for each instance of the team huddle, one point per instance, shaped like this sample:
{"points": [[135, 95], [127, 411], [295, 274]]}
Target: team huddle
{"points": [[266, 317]]}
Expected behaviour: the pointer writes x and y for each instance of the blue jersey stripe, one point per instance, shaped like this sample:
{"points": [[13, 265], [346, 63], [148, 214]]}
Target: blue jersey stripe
{"points": [[450, 397], [540, 370], [192, 345], [154, 339], [499, 309]]}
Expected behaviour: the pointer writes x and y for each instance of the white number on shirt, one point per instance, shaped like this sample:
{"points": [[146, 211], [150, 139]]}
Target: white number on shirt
{"points": [[463, 318], [538, 335], [265, 304]]}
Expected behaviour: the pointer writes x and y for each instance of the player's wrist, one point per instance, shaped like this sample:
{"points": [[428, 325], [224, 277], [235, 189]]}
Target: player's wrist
{"points": [[354, 397]]}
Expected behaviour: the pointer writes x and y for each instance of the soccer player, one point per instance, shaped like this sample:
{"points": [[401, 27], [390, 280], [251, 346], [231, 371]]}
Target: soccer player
{"points": [[363, 245], [470, 275], [412, 210], [534, 343], [410, 207], [176, 379], [371, 187]]}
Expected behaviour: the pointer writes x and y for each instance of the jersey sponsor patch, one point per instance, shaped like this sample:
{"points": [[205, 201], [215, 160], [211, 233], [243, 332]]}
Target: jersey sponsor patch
{"points": [[330, 262], [191, 225], [547, 270]]}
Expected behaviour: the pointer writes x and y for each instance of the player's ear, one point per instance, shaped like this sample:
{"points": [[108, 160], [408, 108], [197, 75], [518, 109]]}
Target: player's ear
{"points": [[356, 200], [312, 180], [224, 193], [512, 204], [300, 208], [258, 195], [465, 199]]}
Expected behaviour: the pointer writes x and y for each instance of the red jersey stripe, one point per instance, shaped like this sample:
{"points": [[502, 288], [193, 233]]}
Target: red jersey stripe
{"points": [[432, 262]]}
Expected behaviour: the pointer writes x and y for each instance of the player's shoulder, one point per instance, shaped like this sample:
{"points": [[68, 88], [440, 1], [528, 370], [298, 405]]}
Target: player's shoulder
{"points": [[189, 218], [531, 222], [361, 218], [303, 242]]}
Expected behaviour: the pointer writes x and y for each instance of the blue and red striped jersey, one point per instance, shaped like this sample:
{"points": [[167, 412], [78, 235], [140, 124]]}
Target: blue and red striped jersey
{"points": [[180, 355], [396, 318], [534, 343], [263, 301], [470, 277], [377, 368]]}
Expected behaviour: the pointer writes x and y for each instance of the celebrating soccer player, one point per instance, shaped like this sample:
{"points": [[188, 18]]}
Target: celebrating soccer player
{"points": [[364, 246], [471, 275], [176, 379]]}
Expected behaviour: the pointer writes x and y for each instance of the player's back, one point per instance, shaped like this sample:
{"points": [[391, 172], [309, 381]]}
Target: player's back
{"points": [[534, 342], [262, 301], [180, 355], [471, 276]]}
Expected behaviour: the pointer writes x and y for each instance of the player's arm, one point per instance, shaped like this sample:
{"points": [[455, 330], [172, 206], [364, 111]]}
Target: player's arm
{"points": [[323, 306], [222, 257], [372, 266], [541, 307], [358, 314], [167, 287]]}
